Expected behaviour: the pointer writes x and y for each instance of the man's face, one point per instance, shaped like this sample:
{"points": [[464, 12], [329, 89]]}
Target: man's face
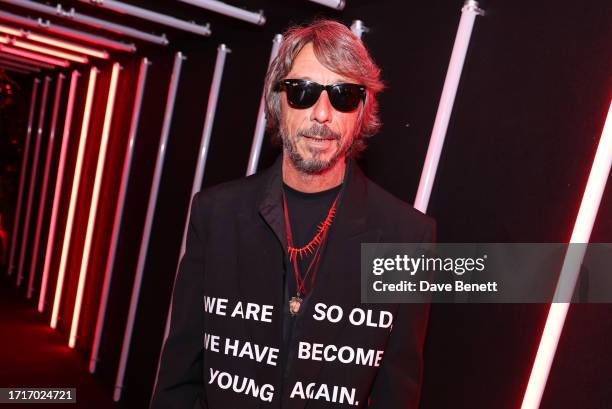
{"points": [[316, 138]]}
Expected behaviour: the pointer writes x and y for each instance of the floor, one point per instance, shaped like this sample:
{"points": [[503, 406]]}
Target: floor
{"points": [[34, 355]]}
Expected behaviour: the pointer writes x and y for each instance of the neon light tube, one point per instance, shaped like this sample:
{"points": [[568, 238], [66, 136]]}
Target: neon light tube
{"points": [[43, 190], [93, 207], [22, 174], [67, 32], [260, 127], [125, 176], [144, 244], [211, 109], [55, 42], [71, 14], [59, 180], [229, 10], [33, 174], [34, 56], [67, 45], [93, 74], [462, 40], [358, 28], [591, 199], [334, 4], [153, 16], [27, 61], [49, 51], [11, 31], [14, 69], [8, 63]]}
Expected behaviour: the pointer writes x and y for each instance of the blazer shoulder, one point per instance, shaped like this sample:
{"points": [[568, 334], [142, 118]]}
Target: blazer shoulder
{"points": [[232, 192], [384, 206]]}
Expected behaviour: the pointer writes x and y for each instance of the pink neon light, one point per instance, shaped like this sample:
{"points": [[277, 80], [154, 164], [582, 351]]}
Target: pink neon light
{"points": [[55, 42], [92, 40], [50, 51], [67, 45], [557, 313], [93, 73], [58, 189], [33, 56], [14, 69], [142, 75], [11, 57], [108, 116], [43, 192], [10, 63], [10, 31]]}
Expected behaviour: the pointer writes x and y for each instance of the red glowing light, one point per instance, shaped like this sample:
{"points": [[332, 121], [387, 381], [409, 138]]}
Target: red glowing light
{"points": [[11, 57], [33, 56], [58, 188], [589, 206], [67, 45], [91, 220], [93, 73], [50, 51], [10, 31], [10, 63]]}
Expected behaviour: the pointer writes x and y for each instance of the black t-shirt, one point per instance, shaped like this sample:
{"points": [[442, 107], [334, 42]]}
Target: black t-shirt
{"points": [[306, 212]]}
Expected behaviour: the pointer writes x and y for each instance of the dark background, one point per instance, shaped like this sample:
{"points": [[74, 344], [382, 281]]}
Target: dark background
{"points": [[535, 89]]}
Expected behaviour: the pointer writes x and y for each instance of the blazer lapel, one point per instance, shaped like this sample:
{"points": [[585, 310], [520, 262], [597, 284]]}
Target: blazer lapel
{"points": [[260, 260], [261, 256]]}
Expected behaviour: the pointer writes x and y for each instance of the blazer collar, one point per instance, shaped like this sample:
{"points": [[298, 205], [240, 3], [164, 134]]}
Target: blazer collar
{"points": [[351, 208]]}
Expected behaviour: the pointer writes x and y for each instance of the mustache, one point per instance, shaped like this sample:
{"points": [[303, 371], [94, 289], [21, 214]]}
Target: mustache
{"points": [[321, 131]]}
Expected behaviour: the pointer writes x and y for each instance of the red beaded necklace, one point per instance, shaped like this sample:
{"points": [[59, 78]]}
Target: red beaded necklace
{"points": [[314, 246]]}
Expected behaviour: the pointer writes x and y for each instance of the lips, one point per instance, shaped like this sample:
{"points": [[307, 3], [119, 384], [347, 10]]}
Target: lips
{"points": [[318, 138]]}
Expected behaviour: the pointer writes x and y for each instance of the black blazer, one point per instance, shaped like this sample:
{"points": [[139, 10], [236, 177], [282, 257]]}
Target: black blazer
{"points": [[236, 254]]}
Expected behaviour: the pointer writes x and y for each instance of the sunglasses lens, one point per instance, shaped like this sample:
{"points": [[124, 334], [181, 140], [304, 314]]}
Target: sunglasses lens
{"points": [[346, 97], [302, 95]]}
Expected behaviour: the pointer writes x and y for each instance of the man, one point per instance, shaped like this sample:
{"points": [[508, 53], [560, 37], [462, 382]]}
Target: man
{"points": [[266, 309]]}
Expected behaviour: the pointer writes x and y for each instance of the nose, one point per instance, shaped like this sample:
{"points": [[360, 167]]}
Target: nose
{"points": [[322, 109]]}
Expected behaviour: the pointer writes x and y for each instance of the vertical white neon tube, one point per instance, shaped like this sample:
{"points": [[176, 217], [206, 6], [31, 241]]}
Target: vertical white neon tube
{"points": [[33, 174], [59, 179], [462, 40], [93, 207], [125, 176], [211, 108], [22, 175], [358, 28], [260, 127], [43, 192], [146, 236], [93, 74], [591, 199]]}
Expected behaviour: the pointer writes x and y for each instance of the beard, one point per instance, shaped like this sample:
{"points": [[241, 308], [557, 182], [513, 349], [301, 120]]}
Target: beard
{"points": [[315, 164]]}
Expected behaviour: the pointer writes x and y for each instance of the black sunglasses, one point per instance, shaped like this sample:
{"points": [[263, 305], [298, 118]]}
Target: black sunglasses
{"points": [[302, 94]]}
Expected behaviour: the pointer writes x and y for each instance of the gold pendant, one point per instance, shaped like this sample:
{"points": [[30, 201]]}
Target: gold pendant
{"points": [[294, 305]]}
